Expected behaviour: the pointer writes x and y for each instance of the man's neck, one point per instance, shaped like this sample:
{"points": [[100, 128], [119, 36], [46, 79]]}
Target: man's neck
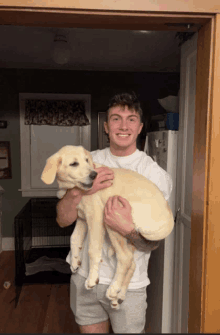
{"points": [[122, 152]]}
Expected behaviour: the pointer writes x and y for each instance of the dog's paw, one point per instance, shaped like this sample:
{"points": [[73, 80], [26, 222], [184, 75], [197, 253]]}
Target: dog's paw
{"points": [[112, 291], [75, 264], [89, 284], [121, 296], [115, 304], [61, 193]]}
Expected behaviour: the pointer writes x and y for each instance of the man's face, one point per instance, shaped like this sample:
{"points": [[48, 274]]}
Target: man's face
{"points": [[123, 128]]}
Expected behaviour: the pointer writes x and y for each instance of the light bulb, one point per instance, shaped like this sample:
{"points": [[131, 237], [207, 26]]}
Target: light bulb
{"points": [[61, 50]]}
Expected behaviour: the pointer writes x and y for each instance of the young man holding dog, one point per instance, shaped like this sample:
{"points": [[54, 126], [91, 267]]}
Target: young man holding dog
{"points": [[91, 308]]}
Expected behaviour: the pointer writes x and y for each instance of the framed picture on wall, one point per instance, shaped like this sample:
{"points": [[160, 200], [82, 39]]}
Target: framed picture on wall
{"points": [[5, 161], [103, 141]]}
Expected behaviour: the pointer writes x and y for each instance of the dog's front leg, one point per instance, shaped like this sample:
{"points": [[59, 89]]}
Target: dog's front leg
{"points": [[96, 239], [96, 231], [76, 243], [125, 268]]}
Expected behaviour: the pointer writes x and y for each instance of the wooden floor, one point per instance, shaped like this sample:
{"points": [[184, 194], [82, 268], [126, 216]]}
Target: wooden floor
{"points": [[42, 308]]}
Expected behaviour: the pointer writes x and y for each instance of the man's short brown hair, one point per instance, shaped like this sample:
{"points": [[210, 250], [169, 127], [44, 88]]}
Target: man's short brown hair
{"points": [[123, 100]]}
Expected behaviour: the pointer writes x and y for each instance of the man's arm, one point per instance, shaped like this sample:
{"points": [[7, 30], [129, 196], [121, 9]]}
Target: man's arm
{"points": [[66, 207], [119, 218], [141, 243]]}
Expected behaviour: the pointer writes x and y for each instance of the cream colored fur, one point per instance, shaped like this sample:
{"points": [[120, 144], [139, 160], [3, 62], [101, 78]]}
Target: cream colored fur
{"points": [[151, 214]]}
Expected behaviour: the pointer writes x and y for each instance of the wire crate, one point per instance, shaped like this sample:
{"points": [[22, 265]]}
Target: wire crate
{"points": [[38, 234]]}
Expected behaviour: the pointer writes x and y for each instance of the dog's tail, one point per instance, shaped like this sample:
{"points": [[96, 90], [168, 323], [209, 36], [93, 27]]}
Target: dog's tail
{"points": [[111, 251]]}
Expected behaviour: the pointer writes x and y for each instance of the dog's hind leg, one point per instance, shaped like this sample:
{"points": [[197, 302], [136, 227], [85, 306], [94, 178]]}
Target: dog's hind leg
{"points": [[124, 254], [96, 240], [76, 243], [122, 294]]}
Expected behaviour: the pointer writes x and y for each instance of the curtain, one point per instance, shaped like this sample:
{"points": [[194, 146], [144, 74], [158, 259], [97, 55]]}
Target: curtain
{"points": [[56, 113]]}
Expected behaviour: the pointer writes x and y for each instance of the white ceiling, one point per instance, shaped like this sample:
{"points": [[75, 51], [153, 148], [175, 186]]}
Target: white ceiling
{"points": [[91, 49]]}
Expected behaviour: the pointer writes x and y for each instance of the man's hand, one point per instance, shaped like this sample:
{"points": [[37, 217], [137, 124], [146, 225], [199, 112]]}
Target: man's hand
{"points": [[117, 215], [103, 179]]}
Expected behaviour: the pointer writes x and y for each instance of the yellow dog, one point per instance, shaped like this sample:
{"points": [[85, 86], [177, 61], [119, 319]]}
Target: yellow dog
{"points": [[152, 216]]}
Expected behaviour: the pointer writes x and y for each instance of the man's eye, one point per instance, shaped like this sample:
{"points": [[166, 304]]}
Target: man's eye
{"points": [[74, 164], [115, 118]]}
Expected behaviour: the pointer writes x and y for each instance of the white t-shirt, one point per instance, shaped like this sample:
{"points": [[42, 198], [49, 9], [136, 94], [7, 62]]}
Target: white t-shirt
{"points": [[140, 162]]}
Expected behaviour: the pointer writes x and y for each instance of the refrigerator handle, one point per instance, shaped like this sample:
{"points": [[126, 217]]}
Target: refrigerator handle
{"points": [[177, 215]]}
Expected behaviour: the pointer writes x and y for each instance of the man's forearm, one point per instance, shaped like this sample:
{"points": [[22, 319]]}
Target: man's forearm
{"points": [[66, 210], [141, 243]]}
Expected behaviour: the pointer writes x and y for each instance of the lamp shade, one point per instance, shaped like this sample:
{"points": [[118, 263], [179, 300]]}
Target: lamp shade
{"points": [[60, 50], [170, 103]]}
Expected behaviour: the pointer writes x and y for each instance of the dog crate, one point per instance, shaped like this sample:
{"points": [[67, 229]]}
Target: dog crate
{"points": [[41, 246]]}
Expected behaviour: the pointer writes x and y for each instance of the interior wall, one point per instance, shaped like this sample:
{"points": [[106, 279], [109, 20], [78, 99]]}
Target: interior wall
{"points": [[101, 85]]}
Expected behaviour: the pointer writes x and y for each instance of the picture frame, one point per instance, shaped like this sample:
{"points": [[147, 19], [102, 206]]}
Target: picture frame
{"points": [[5, 160], [103, 141]]}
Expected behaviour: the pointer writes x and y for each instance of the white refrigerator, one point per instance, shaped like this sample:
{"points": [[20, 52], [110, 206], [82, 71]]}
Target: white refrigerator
{"points": [[162, 147]]}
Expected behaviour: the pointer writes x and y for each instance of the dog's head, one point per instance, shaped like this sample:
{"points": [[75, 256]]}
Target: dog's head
{"points": [[71, 164]]}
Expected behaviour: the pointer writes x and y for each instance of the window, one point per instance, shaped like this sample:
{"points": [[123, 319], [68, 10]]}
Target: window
{"points": [[40, 142]]}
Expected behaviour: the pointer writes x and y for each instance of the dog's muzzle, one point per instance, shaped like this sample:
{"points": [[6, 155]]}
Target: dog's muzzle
{"points": [[91, 176]]}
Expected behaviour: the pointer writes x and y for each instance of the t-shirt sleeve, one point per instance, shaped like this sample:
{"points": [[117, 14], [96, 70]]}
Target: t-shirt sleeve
{"points": [[161, 179]]}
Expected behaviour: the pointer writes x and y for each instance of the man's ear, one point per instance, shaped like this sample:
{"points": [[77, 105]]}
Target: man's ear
{"points": [[141, 127], [106, 127]]}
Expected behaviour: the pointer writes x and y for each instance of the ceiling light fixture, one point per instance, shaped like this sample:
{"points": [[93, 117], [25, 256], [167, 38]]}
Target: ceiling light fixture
{"points": [[145, 31], [60, 50]]}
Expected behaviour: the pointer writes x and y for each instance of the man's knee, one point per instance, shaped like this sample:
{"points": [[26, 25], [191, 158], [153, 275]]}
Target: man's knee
{"points": [[101, 327]]}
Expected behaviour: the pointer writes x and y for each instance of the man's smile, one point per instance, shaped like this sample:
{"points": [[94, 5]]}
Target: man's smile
{"points": [[123, 135]]}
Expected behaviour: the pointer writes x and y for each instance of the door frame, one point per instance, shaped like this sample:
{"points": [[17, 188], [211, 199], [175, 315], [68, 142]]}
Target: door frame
{"points": [[205, 232]]}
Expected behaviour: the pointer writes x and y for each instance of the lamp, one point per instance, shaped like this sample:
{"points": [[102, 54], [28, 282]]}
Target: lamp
{"points": [[170, 103], [60, 50]]}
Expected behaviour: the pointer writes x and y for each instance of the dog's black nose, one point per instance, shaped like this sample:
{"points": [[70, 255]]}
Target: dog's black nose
{"points": [[93, 175]]}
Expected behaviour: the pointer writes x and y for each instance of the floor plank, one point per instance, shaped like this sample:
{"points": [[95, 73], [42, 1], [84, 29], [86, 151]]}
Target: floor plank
{"points": [[59, 318], [6, 295], [42, 308], [29, 315]]}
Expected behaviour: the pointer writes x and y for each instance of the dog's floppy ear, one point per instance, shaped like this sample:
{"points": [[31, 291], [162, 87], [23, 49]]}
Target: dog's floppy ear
{"points": [[89, 157], [50, 170]]}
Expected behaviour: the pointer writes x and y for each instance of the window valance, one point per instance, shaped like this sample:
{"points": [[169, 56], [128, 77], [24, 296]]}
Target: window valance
{"points": [[55, 113]]}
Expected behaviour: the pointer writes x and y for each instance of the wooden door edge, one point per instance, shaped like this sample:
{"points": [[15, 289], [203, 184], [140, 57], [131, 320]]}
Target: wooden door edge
{"points": [[211, 249], [207, 172], [102, 19], [201, 162]]}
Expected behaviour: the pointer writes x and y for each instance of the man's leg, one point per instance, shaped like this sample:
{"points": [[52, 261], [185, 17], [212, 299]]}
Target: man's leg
{"points": [[131, 317], [102, 327], [89, 313]]}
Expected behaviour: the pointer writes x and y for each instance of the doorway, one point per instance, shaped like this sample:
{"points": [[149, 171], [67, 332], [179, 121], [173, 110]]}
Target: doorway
{"points": [[167, 22]]}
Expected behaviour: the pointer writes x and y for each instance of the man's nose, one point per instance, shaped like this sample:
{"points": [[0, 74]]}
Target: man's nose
{"points": [[123, 124]]}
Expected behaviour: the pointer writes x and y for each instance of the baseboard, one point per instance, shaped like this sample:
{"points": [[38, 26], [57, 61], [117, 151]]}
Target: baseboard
{"points": [[8, 243]]}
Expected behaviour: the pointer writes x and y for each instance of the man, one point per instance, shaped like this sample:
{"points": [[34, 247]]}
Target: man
{"points": [[91, 308]]}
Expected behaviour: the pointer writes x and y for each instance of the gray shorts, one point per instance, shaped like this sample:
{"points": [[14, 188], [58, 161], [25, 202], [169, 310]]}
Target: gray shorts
{"points": [[91, 307]]}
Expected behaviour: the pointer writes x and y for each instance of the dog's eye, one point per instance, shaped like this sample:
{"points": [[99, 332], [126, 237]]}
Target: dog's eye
{"points": [[87, 160], [74, 164]]}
